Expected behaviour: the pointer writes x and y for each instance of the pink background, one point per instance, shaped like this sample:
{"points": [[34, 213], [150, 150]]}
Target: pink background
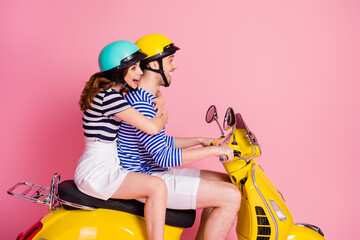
{"points": [[290, 67]]}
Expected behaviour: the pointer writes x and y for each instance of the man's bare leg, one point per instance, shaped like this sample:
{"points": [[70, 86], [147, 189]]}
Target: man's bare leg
{"points": [[221, 201], [210, 175]]}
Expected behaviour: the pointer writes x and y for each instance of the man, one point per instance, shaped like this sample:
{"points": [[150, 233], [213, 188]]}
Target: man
{"points": [[156, 154]]}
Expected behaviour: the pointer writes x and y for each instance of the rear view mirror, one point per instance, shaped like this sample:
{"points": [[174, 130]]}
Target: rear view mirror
{"points": [[211, 114], [229, 120]]}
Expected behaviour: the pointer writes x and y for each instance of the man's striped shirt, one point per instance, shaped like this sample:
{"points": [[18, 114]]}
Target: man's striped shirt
{"points": [[99, 121], [141, 152]]}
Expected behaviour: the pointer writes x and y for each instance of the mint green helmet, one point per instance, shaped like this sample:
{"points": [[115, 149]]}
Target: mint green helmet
{"points": [[117, 56]]}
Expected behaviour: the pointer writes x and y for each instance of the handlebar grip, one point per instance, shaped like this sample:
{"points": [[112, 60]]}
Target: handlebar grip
{"points": [[223, 158]]}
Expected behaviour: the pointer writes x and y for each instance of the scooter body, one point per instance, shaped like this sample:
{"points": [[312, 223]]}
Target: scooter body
{"points": [[263, 213], [75, 215], [96, 224]]}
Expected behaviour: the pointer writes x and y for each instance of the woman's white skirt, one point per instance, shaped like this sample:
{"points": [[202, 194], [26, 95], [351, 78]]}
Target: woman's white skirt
{"points": [[98, 172]]}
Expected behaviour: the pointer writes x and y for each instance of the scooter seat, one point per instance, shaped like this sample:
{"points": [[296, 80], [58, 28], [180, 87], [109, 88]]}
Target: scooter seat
{"points": [[69, 192]]}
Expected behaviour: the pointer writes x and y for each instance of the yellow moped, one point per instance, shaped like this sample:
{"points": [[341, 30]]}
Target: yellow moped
{"points": [[263, 214]]}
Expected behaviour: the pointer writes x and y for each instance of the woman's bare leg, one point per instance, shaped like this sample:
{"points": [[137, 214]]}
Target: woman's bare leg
{"points": [[138, 185]]}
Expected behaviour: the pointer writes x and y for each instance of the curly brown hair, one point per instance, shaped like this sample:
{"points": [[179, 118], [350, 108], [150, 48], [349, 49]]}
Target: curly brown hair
{"points": [[99, 82]]}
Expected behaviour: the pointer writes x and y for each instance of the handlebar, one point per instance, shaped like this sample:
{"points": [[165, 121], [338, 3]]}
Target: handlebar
{"points": [[243, 139], [223, 158]]}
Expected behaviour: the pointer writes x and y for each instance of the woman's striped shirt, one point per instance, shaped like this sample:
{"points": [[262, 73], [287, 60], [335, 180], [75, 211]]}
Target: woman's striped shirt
{"points": [[99, 121]]}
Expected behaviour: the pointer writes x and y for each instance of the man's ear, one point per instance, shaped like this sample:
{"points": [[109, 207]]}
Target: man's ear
{"points": [[154, 65]]}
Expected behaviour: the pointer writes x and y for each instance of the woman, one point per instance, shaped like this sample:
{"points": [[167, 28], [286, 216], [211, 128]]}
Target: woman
{"points": [[98, 172]]}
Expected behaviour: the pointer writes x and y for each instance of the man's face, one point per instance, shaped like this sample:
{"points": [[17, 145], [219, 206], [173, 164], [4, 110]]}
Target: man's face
{"points": [[169, 66]]}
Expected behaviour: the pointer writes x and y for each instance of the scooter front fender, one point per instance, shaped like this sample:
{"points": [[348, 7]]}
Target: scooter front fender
{"points": [[97, 224], [300, 233]]}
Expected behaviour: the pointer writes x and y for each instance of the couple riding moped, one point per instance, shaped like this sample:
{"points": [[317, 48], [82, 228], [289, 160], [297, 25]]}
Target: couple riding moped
{"points": [[147, 155]]}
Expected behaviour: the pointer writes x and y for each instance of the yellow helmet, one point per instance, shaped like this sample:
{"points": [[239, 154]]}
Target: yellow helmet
{"points": [[156, 47]]}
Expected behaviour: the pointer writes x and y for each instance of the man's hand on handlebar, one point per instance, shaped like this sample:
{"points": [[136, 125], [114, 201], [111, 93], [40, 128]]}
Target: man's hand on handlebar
{"points": [[225, 154]]}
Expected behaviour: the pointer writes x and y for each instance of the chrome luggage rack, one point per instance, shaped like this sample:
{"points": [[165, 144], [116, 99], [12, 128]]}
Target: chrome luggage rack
{"points": [[43, 195]]}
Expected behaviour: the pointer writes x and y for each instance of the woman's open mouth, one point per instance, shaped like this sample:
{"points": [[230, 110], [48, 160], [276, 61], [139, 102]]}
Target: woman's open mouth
{"points": [[136, 81]]}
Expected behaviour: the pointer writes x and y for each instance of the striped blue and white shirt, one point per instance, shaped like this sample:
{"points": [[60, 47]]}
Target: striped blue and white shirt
{"points": [[141, 152], [99, 121]]}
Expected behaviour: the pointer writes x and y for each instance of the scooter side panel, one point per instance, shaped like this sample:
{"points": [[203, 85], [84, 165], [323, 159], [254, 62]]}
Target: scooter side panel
{"points": [[258, 218], [256, 193], [270, 193], [97, 224]]}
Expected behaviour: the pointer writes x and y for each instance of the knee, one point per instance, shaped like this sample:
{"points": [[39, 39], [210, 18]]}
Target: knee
{"points": [[233, 196], [159, 188]]}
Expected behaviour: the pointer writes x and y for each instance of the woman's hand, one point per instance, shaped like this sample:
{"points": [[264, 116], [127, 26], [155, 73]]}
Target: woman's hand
{"points": [[164, 115], [159, 103], [205, 142]]}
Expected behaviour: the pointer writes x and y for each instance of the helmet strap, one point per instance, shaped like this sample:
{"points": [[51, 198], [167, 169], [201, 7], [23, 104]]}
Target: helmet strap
{"points": [[121, 81], [160, 70], [129, 87]]}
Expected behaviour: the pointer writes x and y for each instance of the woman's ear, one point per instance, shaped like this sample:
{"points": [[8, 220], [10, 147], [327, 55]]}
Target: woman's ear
{"points": [[154, 65]]}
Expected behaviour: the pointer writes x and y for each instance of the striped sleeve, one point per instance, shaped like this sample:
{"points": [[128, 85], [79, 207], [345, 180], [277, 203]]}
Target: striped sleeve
{"points": [[113, 103], [170, 141], [160, 147]]}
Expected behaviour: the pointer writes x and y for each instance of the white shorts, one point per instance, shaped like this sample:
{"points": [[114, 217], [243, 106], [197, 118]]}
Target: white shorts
{"points": [[98, 172], [182, 185]]}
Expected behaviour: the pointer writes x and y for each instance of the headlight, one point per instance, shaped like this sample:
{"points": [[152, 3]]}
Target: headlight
{"points": [[279, 213]]}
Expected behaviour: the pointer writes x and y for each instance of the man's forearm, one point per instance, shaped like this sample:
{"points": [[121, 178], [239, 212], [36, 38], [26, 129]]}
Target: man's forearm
{"points": [[187, 142], [191, 155]]}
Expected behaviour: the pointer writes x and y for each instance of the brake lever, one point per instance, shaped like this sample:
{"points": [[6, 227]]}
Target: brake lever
{"points": [[237, 153], [223, 158]]}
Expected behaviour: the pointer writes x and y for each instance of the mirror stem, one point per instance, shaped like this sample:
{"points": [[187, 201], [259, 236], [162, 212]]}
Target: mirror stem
{"points": [[234, 140], [222, 132]]}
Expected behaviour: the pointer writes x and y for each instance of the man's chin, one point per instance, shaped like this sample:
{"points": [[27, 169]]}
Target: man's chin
{"points": [[163, 83]]}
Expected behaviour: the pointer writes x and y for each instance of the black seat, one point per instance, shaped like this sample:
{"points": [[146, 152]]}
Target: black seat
{"points": [[69, 192]]}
